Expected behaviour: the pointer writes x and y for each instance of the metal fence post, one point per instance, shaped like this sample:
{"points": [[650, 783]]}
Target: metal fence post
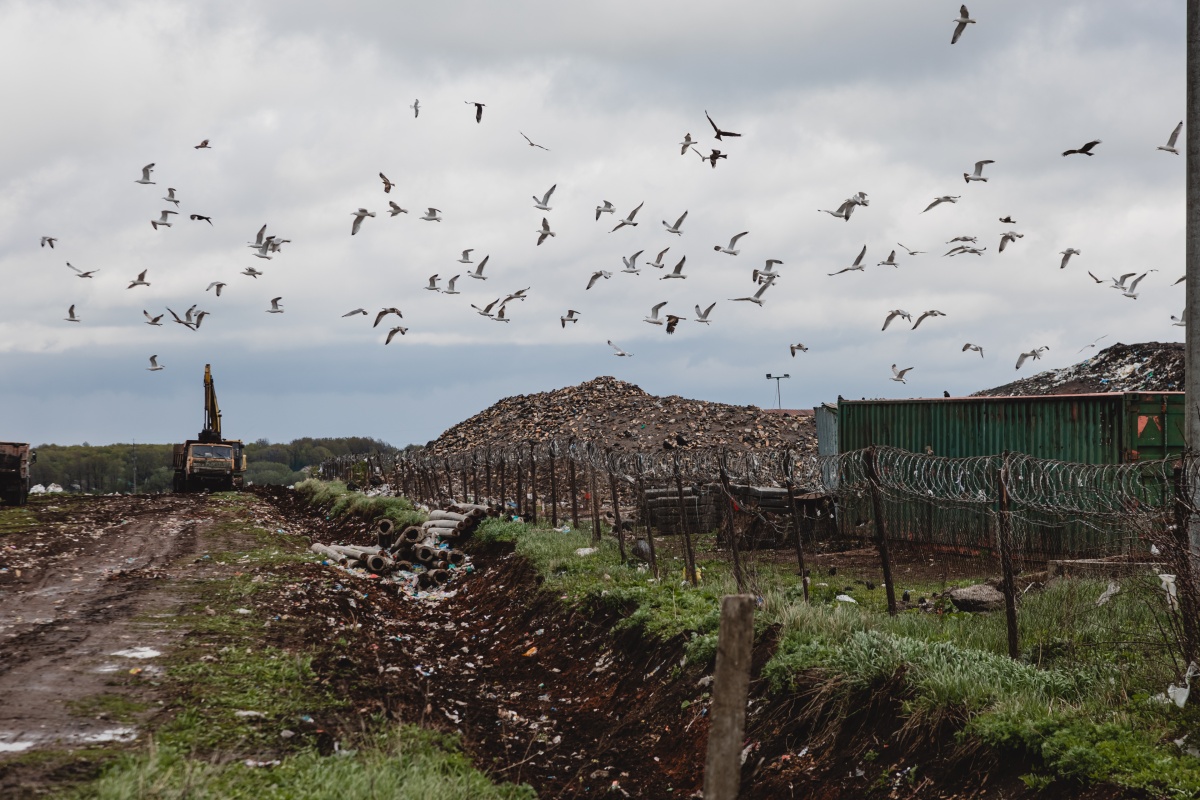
{"points": [[571, 455], [553, 485], [532, 485], [595, 502], [881, 538], [788, 465], [1004, 545]]}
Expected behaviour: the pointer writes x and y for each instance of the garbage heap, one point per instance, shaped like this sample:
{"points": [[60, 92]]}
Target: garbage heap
{"points": [[424, 555]]}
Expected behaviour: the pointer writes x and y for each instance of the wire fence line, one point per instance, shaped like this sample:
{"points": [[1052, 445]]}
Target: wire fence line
{"points": [[1010, 510]]}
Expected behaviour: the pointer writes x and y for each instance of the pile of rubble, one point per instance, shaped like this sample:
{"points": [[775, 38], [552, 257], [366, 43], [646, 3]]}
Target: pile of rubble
{"points": [[1146, 367], [420, 557], [613, 413]]}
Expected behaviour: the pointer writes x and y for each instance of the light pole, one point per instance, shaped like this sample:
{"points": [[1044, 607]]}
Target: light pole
{"points": [[777, 379]]}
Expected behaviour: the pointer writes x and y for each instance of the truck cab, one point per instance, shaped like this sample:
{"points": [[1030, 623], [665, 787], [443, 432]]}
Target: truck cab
{"points": [[15, 458]]}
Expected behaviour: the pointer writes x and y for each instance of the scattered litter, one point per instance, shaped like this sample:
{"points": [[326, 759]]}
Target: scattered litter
{"points": [[241, 611], [530, 652], [586, 551], [137, 652], [254, 714], [250, 762], [1113, 588], [845, 598], [14, 747]]}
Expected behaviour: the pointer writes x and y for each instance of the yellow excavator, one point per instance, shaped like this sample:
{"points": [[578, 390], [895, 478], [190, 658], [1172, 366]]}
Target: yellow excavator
{"points": [[208, 462]]}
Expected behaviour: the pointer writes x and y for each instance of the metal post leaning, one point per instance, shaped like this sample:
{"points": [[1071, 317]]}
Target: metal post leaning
{"points": [[881, 539]]}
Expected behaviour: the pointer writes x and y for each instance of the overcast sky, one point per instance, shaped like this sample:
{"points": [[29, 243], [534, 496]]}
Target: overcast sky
{"points": [[306, 102]]}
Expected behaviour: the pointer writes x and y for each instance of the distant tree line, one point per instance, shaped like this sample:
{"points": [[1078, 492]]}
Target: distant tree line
{"points": [[115, 467]]}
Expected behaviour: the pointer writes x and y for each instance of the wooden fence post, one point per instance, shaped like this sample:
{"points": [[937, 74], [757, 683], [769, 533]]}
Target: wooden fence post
{"points": [[595, 504], [574, 489], [1180, 550], [553, 486], [532, 485], [503, 488], [731, 684], [688, 554], [520, 486], [487, 471], [616, 503], [1004, 545], [788, 464], [730, 506], [645, 514], [881, 539]]}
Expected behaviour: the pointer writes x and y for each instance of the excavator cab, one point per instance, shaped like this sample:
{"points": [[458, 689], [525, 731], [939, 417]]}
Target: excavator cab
{"points": [[209, 462]]}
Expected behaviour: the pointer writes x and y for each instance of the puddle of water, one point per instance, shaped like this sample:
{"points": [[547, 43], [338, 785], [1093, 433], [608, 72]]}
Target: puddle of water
{"points": [[14, 747], [137, 652], [111, 735]]}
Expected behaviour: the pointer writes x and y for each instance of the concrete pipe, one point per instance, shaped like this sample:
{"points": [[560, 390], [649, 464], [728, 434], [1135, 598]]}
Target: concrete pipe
{"points": [[425, 580], [329, 553], [440, 565], [439, 576], [356, 552], [450, 515], [404, 566], [456, 557], [425, 554], [385, 526], [377, 563], [412, 534], [353, 564], [441, 523]]}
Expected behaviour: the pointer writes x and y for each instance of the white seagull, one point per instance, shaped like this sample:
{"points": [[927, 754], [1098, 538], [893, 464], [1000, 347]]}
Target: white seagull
{"points": [[653, 318], [702, 316], [500, 315], [466, 256], [889, 262], [631, 263], [798, 347], [1179, 321], [572, 316], [687, 142], [975, 347], [433, 280], [170, 198], [1066, 254], [978, 174], [943, 199], [964, 19], [732, 244], [1170, 145], [70, 317], [677, 272], [677, 228], [146, 170], [162, 220], [383, 312], [898, 374], [80, 273], [930, 313], [359, 216], [1131, 290], [767, 273], [450, 286], [544, 231], [394, 209], [658, 261], [355, 312], [619, 352], [416, 107], [486, 311], [757, 297], [478, 273], [392, 333], [1035, 354], [910, 252], [607, 208], [1011, 236], [857, 265], [155, 321], [843, 211], [896, 312], [432, 215], [532, 143], [251, 271], [275, 307], [154, 367], [544, 203], [597, 275], [48, 240], [629, 219], [140, 280], [219, 286]]}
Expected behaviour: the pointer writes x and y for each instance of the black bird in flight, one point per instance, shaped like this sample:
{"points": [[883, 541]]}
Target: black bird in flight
{"points": [[199, 217], [478, 109], [720, 132], [1085, 150]]}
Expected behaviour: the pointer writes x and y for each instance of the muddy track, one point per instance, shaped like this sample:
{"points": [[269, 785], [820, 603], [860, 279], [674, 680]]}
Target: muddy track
{"points": [[80, 589]]}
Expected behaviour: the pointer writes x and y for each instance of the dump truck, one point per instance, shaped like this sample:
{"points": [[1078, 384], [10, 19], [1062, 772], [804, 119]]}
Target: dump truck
{"points": [[209, 462], [15, 458]]}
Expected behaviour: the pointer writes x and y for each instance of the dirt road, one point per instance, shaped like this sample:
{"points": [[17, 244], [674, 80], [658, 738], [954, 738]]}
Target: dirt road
{"points": [[79, 600]]}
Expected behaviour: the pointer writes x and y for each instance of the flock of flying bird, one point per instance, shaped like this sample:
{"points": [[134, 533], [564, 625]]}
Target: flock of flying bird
{"points": [[764, 278]]}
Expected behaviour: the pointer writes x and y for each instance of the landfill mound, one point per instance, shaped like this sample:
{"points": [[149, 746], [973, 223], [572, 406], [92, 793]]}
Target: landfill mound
{"points": [[613, 413], [1145, 367]]}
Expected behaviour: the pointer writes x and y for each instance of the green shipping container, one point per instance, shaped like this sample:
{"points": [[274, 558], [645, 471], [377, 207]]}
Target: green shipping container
{"points": [[1112, 428]]}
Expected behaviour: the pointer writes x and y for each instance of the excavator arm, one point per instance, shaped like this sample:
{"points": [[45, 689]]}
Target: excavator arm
{"points": [[212, 412]]}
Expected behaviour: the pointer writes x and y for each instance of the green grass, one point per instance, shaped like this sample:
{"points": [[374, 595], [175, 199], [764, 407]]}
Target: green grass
{"points": [[115, 707], [16, 519], [399, 763], [1076, 706], [338, 502]]}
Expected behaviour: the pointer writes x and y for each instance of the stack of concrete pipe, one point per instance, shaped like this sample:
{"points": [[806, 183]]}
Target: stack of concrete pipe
{"points": [[426, 549]]}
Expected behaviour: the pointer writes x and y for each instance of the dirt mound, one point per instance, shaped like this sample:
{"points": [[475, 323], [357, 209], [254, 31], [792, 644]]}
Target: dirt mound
{"points": [[1146, 367], [621, 415]]}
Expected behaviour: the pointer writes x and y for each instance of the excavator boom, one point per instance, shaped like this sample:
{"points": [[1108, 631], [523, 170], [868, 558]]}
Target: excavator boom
{"points": [[209, 462], [212, 412]]}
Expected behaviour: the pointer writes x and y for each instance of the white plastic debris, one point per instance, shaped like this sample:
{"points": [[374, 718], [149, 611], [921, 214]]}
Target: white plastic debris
{"points": [[137, 652], [1168, 585], [845, 598], [1113, 588], [586, 551]]}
